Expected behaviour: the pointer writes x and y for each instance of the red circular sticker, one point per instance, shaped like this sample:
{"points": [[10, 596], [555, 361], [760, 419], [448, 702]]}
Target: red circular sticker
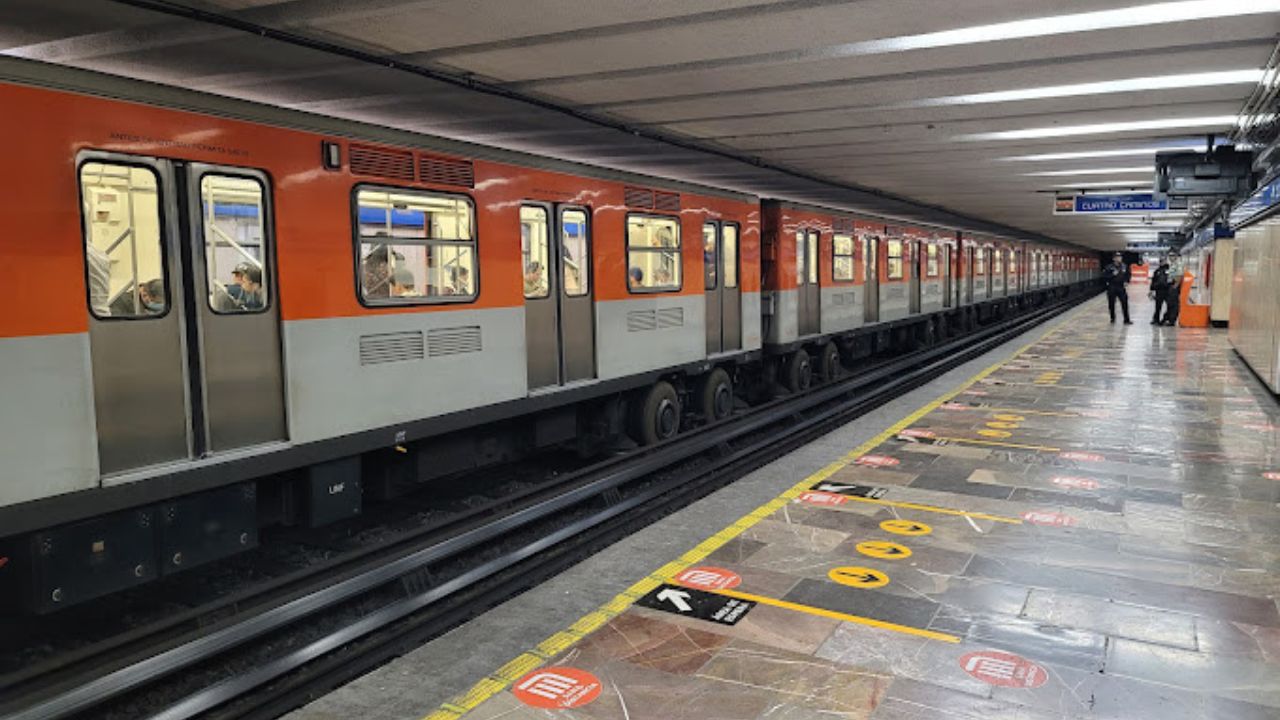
{"points": [[918, 433], [1075, 483], [815, 497], [1074, 455], [1048, 517], [711, 578], [555, 688], [1004, 669], [955, 406], [1271, 475], [877, 460]]}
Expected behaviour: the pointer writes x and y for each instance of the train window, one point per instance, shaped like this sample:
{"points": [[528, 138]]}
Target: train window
{"points": [[931, 260], [709, 255], [980, 262], [811, 266], [894, 266], [535, 251], [574, 252], [233, 214], [415, 247], [800, 238], [842, 258], [729, 252], [123, 241], [653, 253]]}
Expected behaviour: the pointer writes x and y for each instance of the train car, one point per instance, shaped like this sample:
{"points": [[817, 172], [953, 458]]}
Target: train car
{"points": [[232, 307]]}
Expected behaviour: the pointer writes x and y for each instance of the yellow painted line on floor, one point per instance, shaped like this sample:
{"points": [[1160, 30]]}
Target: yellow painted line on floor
{"points": [[934, 509], [822, 612], [562, 640], [998, 443]]}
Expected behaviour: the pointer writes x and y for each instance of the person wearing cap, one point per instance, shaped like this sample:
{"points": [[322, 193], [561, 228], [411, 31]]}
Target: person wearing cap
{"points": [[1115, 276], [249, 278]]}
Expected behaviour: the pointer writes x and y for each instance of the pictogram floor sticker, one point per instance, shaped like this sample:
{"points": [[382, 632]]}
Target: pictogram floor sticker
{"points": [[906, 527], [557, 688], [883, 550], [859, 577]]}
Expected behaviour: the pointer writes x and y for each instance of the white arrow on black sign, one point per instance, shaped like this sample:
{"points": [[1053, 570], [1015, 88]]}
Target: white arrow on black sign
{"points": [[677, 598]]}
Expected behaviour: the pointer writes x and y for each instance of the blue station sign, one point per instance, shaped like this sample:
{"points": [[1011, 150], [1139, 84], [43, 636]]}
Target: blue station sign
{"points": [[1123, 203]]}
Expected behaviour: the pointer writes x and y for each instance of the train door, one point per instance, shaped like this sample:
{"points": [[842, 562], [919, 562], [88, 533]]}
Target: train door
{"points": [[720, 273], [968, 273], [807, 290], [184, 331], [948, 300], [871, 273], [555, 244], [915, 267]]}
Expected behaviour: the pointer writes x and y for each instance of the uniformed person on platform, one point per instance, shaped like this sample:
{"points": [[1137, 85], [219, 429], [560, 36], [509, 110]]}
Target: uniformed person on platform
{"points": [[1115, 276], [1175, 289], [1159, 289]]}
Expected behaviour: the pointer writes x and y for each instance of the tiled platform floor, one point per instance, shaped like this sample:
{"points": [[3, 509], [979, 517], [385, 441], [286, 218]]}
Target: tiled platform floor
{"points": [[1091, 530]]}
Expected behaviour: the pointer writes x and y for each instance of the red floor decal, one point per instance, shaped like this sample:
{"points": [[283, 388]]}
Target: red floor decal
{"points": [[1048, 517], [1075, 483], [916, 433], [1003, 669], [556, 688], [711, 578], [877, 461], [1271, 475], [814, 497]]}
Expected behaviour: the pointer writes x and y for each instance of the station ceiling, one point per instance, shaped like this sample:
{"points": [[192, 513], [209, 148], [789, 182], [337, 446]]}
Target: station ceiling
{"points": [[969, 113]]}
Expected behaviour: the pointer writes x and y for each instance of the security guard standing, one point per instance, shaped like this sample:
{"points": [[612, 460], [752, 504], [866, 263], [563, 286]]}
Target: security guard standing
{"points": [[1175, 289], [1115, 276], [1160, 289]]}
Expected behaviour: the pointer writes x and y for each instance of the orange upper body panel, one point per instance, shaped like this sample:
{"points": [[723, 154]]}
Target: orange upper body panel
{"points": [[315, 253]]}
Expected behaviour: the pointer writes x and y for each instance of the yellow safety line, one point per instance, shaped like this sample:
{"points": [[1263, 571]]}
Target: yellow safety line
{"points": [[997, 443], [557, 643], [935, 509], [821, 612]]}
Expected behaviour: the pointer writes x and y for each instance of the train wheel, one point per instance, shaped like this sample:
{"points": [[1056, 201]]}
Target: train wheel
{"points": [[658, 417], [715, 397], [798, 375], [829, 362]]}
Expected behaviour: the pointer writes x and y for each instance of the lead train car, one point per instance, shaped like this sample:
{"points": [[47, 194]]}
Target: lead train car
{"points": [[214, 314]]}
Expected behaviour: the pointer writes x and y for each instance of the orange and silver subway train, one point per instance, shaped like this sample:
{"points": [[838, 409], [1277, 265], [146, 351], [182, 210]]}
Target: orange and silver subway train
{"points": [[222, 316]]}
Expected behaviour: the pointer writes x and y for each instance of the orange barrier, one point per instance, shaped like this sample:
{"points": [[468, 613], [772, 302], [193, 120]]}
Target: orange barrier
{"points": [[1189, 315]]}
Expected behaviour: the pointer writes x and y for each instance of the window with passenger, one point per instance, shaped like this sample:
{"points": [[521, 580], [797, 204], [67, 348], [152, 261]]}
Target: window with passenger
{"points": [[894, 265], [415, 247], [842, 258], [653, 253]]}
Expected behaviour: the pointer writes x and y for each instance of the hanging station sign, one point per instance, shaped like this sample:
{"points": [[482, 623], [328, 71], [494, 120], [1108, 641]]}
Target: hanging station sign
{"points": [[1094, 204]]}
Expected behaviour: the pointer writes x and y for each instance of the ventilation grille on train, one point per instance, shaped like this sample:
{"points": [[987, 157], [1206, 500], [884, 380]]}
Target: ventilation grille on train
{"points": [[666, 201], [671, 317], [381, 162], [651, 199], [453, 341], [446, 171], [391, 347], [638, 198], [644, 320]]}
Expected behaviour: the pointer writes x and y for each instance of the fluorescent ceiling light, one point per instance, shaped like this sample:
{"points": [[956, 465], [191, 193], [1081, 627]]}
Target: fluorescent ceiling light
{"points": [[1087, 154], [1133, 16], [1135, 183], [1138, 84], [1100, 128], [1090, 171]]}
